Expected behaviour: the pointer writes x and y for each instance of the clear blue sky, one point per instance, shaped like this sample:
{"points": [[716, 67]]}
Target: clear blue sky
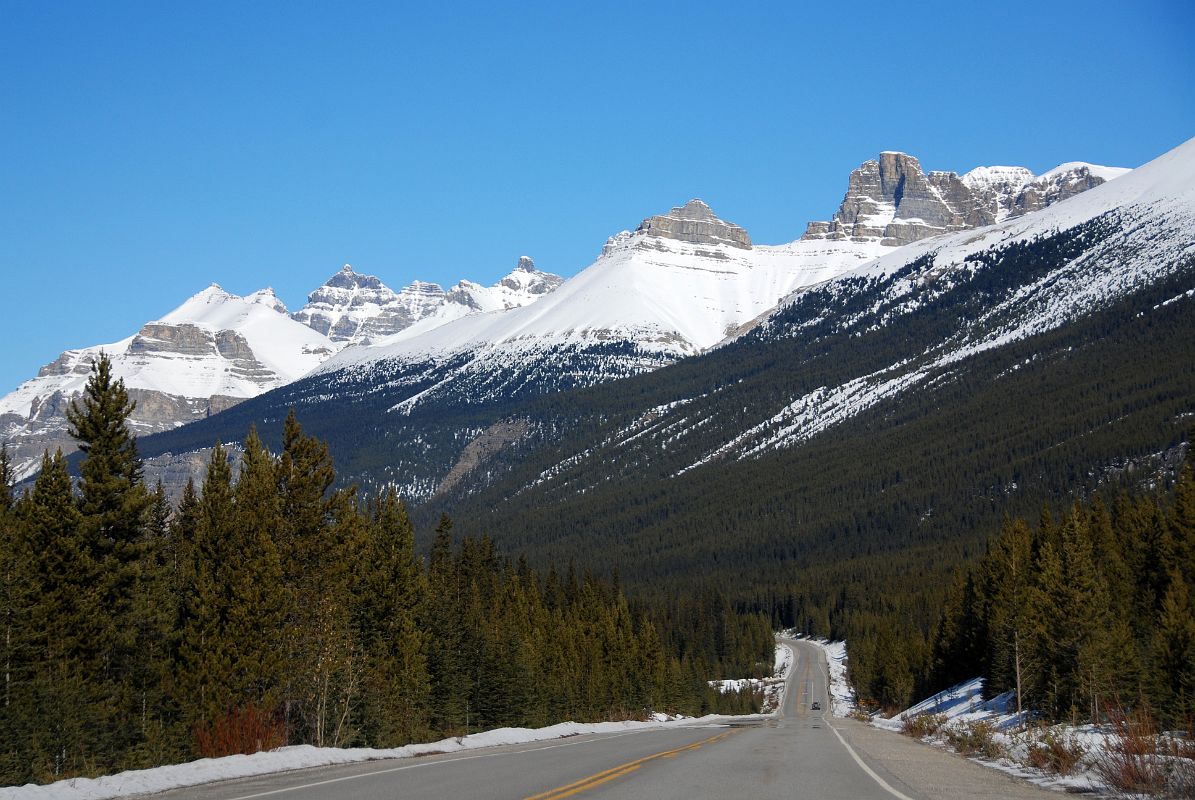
{"points": [[151, 148]]}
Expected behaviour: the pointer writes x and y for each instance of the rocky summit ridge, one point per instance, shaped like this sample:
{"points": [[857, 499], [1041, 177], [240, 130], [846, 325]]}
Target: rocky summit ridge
{"points": [[894, 200], [682, 282], [695, 223], [352, 308], [218, 349]]}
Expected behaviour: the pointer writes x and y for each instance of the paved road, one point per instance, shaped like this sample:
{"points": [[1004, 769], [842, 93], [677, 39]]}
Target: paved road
{"points": [[796, 754]]}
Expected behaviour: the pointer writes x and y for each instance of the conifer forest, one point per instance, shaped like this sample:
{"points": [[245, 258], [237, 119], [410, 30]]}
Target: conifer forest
{"points": [[274, 606]]}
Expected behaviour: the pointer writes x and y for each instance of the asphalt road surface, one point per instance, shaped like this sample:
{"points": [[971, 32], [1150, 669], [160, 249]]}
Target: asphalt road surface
{"points": [[799, 753]]}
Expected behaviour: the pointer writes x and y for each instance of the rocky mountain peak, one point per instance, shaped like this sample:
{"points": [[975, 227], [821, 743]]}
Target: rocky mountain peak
{"points": [[338, 308], [695, 223], [893, 200], [266, 297], [347, 278], [526, 280]]}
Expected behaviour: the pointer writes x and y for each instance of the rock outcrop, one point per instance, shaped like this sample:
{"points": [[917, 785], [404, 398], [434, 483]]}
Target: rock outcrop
{"points": [[695, 223], [210, 353], [893, 200], [351, 307]]}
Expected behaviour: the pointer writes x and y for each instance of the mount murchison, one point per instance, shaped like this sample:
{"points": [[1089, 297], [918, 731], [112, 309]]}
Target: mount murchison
{"points": [[449, 411], [501, 392], [654, 415]]}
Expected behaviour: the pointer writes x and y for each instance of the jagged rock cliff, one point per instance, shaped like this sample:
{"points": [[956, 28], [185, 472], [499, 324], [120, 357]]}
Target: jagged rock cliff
{"points": [[894, 200], [695, 223]]}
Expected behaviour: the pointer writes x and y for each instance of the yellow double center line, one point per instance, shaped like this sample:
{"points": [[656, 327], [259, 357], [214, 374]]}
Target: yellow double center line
{"points": [[622, 769]]}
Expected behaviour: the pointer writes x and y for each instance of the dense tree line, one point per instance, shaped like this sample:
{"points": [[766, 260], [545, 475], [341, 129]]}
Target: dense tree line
{"points": [[1086, 614], [1081, 615], [856, 532], [277, 607]]}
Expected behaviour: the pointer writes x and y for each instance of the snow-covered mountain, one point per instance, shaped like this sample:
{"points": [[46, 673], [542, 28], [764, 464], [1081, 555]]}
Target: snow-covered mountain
{"points": [[680, 283], [686, 280], [351, 308], [218, 349], [211, 352], [985, 289]]}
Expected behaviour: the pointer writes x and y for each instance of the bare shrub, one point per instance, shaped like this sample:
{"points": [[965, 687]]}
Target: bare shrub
{"points": [[245, 729], [922, 725], [1054, 752], [1140, 761], [974, 739]]}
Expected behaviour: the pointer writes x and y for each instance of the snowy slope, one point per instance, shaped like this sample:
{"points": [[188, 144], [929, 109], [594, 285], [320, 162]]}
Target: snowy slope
{"points": [[908, 320], [668, 297], [355, 309], [1148, 232], [199, 366], [211, 351]]}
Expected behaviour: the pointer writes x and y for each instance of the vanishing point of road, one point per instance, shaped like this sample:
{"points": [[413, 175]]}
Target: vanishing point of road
{"points": [[795, 754]]}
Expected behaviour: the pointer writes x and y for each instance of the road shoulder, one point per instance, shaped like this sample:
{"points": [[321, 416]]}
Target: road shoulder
{"points": [[933, 773]]}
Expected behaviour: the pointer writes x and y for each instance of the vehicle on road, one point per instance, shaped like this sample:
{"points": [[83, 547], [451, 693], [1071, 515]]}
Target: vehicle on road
{"points": [[816, 706]]}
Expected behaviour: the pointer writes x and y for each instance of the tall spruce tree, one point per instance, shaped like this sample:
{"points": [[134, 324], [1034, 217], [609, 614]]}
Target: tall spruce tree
{"points": [[319, 534], [1010, 576], [390, 604], [67, 710], [207, 653], [154, 614], [113, 504], [450, 679], [257, 597], [1173, 654], [14, 599]]}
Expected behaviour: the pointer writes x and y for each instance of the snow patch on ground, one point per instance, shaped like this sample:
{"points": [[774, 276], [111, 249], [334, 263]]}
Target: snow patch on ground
{"points": [[772, 687], [283, 759], [207, 770], [963, 706]]}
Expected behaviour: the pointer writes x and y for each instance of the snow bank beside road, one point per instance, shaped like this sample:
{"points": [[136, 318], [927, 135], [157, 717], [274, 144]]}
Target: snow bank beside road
{"points": [[283, 759], [207, 770], [772, 687], [842, 696]]}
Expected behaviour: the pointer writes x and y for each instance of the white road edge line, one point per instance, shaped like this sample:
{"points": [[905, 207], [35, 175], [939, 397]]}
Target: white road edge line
{"points": [[883, 783], [820, 661]]}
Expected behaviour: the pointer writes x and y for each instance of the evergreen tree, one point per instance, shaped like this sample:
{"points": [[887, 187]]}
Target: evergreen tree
{"points": [[1010, 578], [257, 597], [390, 605], [319, 534], [960, 643], [1157, 560], [1174, 655], [154, 613], [231, 663], [207, 654], [314, 576], [14, 601], [113, 503], [68, 712]]}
